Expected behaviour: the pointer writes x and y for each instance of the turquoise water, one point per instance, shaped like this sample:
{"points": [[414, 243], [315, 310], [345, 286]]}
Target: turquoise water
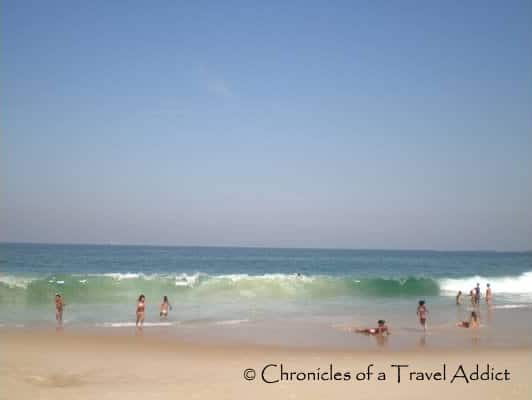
{"points": [[235, 286]]}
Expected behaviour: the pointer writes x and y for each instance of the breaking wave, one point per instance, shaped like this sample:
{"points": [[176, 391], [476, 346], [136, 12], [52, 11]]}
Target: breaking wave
{"points": [[112, 287]]}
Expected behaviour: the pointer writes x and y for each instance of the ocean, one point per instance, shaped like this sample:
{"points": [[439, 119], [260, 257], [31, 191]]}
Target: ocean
{"points": [[309, 297]]}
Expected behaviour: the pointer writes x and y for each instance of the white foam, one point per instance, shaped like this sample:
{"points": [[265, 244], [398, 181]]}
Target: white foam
{"points": [[120, 276], [180, 280], [231, 322], [15, 325], [271, 277], [191, 280], [511, 306], [133, 324], [186, 280], [16, 281], [521, 284]]}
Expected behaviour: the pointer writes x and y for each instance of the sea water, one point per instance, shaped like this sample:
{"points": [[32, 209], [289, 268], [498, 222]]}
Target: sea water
{"points": [[275, 296]]}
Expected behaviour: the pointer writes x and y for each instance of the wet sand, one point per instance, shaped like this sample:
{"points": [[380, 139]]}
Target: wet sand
{"points": [[64, 365]]}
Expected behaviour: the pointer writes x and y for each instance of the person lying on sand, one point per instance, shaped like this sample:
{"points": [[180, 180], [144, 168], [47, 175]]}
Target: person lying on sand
{"points": [[381, 329], [474, 321]]}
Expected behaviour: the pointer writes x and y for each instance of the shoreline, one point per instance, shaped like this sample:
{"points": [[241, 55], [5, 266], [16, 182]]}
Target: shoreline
{"points": [[312, 333], [158, 337]]}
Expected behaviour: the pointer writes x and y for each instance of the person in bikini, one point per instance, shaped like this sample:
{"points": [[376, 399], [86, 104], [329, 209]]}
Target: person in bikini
{"points": [[381, 329], [489, 295], [165, 307], [474, 321], [422, 314], [141, 306], [59, 304]]}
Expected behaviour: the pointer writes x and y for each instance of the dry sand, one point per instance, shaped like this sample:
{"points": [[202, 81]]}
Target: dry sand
{"points": [[50, 365]]}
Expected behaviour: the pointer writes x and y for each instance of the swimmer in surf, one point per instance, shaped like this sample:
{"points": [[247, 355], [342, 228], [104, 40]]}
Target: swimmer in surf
{"points": [[165, 307], [141, 306]]}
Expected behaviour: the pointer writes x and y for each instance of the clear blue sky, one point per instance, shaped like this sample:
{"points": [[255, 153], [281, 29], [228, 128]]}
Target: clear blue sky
{"points": [[335, 124]]}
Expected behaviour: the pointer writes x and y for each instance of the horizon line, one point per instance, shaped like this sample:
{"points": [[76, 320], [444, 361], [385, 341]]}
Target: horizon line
{"points": [[265, 247]]}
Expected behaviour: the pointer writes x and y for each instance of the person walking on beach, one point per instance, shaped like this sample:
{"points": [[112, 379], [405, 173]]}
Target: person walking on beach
{"points": [[141, 306], [165, 307], [59, 304], [489, 295], [459, 298], [422, 314]]}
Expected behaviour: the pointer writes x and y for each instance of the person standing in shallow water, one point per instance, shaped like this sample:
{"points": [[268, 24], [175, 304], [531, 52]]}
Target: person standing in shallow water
{"points": [[59, 304], [165, 307], [422, 314], [489, 295], [141, 306], [477, 294], [459, 298]]}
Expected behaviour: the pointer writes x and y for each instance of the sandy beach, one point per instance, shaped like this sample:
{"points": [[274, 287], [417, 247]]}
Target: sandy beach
{"points": [[64, 365]]}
